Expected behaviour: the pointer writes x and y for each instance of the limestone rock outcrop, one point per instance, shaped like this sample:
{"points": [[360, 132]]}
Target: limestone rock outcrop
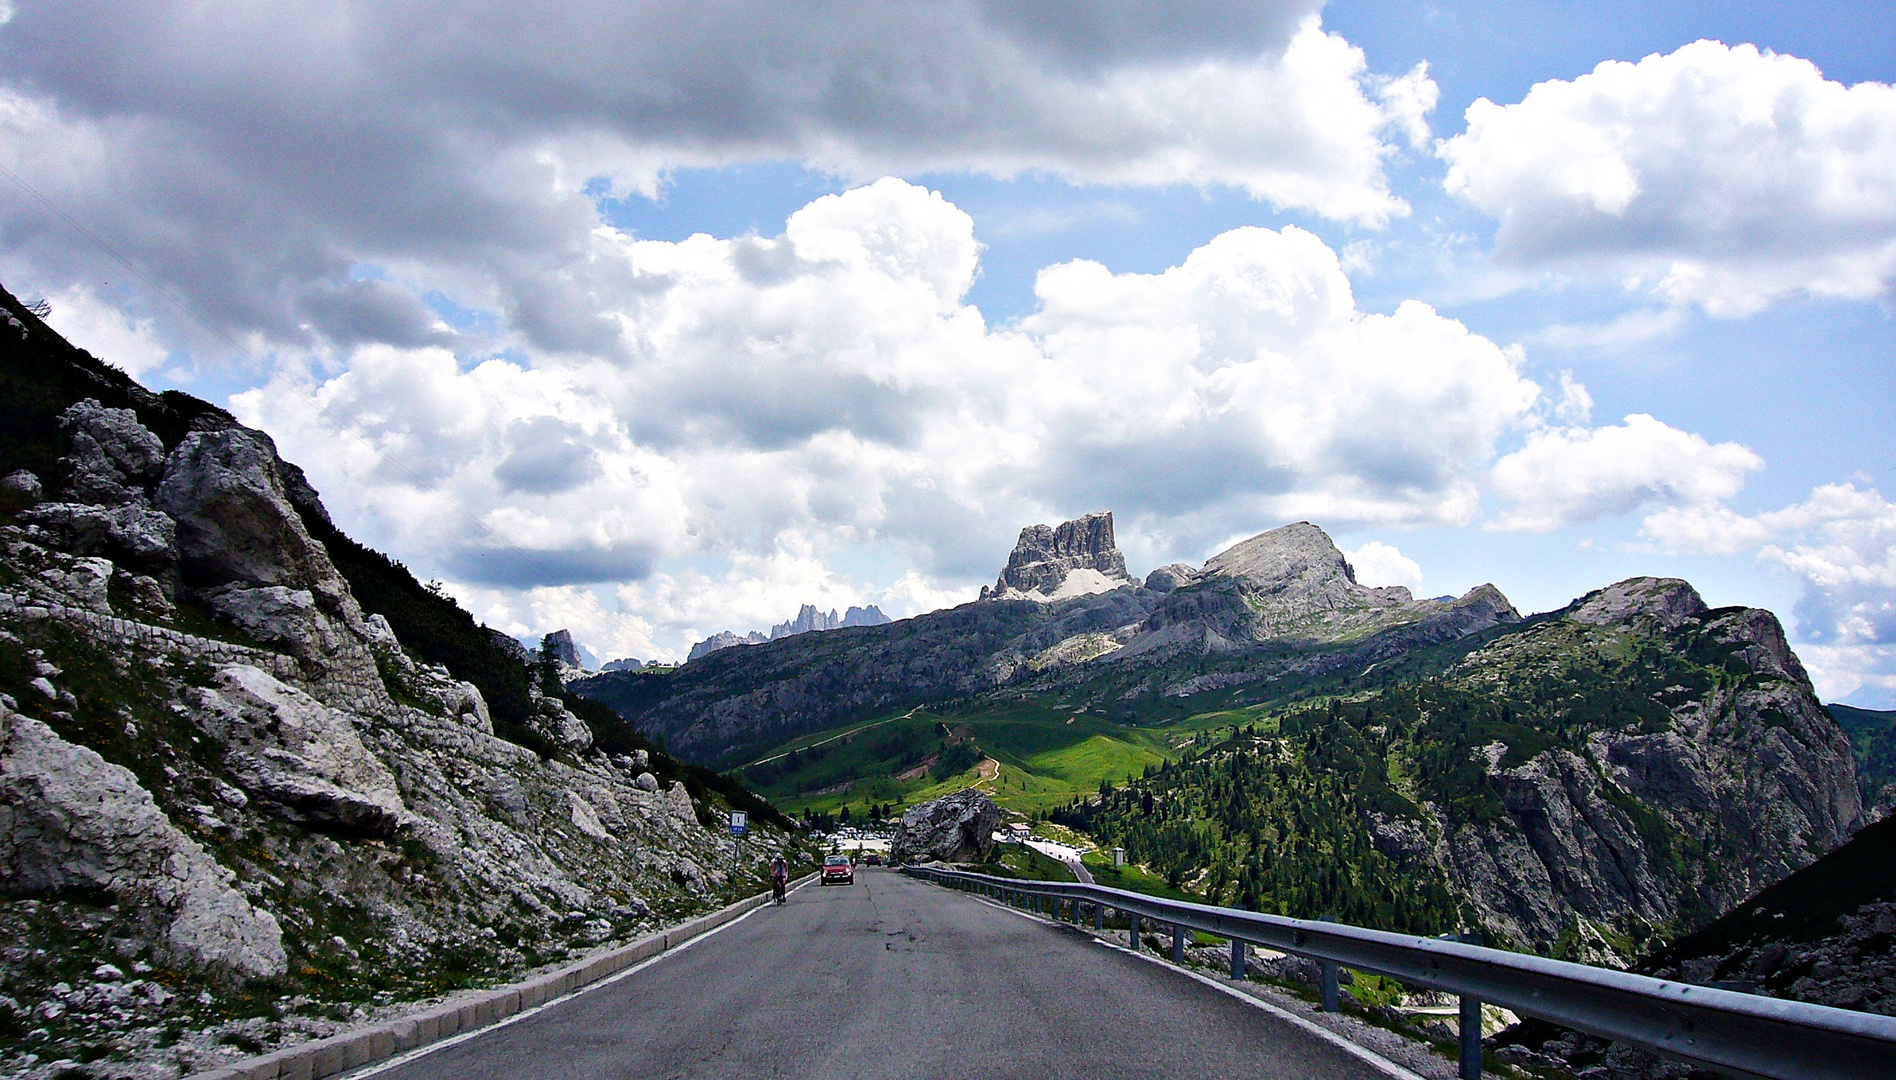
{"points": [[296, 755], [1076, 558], [808, 620], [723, 639], [70, 820], [864, 616], [235, 522], [561, 649], [112, 454], [1169, 577], [954, 828], [1292, 585]]}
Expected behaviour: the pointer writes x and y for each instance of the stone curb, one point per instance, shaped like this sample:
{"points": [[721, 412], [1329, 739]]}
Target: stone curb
{"points": [[365, 1046]]}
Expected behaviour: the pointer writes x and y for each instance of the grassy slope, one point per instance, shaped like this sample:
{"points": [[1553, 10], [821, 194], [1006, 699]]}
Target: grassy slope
{"points": [[1045, 758]]}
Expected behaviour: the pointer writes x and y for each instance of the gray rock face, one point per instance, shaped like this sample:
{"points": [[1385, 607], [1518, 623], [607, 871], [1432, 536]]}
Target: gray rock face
{"points": [[298, 756], [629, 663], [864, 616], [954, 828], [236, 524], [556, 723], [1664, 602], [69, 819], [808, 620], [22, 482], [1167, 578], [559, 646], [1292, 584], [112, 456], [130, 533], [1044, 561], [723, 639]]}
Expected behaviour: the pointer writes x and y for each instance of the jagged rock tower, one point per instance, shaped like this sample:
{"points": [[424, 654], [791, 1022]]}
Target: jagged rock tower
{"points": [[1076, 559]]}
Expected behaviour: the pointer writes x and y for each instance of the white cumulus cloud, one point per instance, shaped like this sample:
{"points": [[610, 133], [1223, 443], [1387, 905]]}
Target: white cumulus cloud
{"points": [[1723, 177], [821, 417], [1563, 476], [1841, 544], [1378, 564]]}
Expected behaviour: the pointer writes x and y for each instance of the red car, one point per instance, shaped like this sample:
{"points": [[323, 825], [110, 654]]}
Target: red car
{"points": [[836, 868]]}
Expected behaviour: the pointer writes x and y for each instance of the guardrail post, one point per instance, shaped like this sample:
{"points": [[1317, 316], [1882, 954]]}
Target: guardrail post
{"points": [[1099, 916], [1178, 943], [1132, 925], [1237, 959], [1326, 979], [1469, 1030]]}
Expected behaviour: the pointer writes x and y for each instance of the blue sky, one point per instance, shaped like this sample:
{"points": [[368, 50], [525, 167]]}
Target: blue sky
{"points": [[606, 316]]}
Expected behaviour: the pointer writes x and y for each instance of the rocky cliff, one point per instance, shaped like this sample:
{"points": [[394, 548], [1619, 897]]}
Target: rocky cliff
{"points": [[235, 806], [1686, 796], [1075, 558], [1583, 783]]}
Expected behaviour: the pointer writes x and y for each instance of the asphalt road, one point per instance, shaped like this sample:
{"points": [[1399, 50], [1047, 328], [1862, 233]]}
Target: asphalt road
{"points": [[892, 977]]}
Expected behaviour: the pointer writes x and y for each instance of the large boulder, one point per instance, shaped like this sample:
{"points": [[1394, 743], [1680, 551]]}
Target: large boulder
{"points": [[70, 820], [236, 524], [296, 755], [113, 455], [954, 828]]}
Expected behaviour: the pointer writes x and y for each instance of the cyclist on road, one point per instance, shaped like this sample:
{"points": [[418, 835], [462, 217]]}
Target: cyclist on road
{"points": [[779, 877]]}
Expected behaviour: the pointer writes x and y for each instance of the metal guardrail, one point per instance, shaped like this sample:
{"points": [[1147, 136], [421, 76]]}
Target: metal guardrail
{"points": [[1741, 1034]]}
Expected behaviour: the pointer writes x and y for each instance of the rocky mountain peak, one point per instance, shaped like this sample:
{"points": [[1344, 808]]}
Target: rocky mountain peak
{"points": [[809, 620], [560, 647], [1076, 558], [1665, 601], [1299, 557], [1292, 583]]}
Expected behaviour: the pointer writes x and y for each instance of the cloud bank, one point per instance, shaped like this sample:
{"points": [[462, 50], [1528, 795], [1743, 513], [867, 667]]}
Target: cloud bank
{"points": [[255, 157], [756, 412], [1841, 545], [1722, 177]]}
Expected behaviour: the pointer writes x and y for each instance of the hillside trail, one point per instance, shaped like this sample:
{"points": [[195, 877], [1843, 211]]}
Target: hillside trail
{"points": [[989, 771], [847, 734]]}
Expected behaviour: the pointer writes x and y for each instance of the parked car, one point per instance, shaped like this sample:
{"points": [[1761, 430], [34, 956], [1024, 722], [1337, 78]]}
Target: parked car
{"points": [[836, 868], [874, 858]]}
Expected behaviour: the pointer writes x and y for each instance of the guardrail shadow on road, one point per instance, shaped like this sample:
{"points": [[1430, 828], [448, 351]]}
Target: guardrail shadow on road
{"points": [[1735, 1033]]}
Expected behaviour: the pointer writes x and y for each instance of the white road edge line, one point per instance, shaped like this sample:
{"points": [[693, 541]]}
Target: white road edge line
{"points": [[1368, 1056], [424, 1051]]}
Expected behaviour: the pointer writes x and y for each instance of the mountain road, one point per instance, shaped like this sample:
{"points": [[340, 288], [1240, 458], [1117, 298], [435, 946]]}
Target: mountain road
{"points": [[891, 977]]}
